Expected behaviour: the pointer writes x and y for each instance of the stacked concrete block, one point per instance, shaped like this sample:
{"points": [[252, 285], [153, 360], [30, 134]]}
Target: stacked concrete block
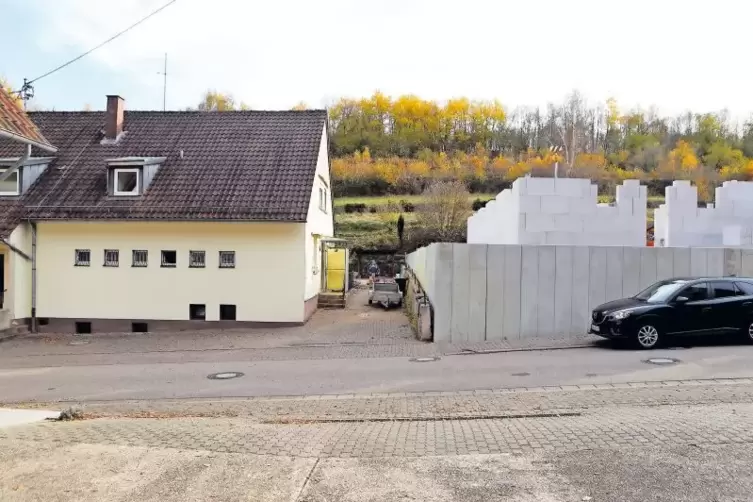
{"points": [[561, 211], [728, 222]]}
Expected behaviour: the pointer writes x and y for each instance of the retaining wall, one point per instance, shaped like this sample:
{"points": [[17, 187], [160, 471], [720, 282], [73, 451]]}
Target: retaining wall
{"points": [[487, 292]]}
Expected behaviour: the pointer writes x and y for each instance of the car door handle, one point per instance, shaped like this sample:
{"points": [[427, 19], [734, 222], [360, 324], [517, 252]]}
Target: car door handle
{"points": [[706, 309], [747, 304]]}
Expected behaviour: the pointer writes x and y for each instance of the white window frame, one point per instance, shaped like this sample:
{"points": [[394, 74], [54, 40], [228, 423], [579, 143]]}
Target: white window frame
{"points": [[323, 199], [18, 181], [119, 170]]}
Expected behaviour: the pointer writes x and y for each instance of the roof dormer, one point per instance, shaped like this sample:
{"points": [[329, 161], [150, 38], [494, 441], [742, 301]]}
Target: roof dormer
{"points": [[17, 174], [131, 176]]}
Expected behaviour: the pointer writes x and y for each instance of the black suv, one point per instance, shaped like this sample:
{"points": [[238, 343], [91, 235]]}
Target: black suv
{"points": [[678, 307]]}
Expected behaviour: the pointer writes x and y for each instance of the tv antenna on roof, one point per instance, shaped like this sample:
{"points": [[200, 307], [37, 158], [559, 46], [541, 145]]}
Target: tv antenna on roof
{"points": [[164, 86]]}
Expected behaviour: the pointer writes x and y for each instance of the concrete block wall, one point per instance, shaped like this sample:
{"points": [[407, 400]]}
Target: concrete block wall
{"points": [[489, 292], [561, 211], [728, 222]]}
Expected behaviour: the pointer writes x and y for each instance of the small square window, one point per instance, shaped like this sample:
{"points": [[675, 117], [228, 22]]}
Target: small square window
{"points": [[227, 312], [83, 328], [227, 259], [127, 181], [169, 259], [112, 257], [197, 259], [9, 186], [197, 312], [83, 257], [140, 258], [139, 327]]}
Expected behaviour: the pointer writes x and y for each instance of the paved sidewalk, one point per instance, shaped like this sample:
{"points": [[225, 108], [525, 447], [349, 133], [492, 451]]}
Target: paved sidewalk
{"points": [[477, 404]]}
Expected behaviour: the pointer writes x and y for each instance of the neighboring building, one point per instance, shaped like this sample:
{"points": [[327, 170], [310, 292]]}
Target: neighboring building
{"points": [[152, 220]]}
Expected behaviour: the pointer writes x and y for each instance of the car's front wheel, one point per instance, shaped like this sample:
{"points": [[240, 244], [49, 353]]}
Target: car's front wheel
{"points": [[748, 331], [647, 336]]}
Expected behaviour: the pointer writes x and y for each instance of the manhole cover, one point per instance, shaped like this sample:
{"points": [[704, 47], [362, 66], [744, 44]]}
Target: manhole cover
{"points": [[227, 375], [423, 359], [521, 374], [662, 360]]}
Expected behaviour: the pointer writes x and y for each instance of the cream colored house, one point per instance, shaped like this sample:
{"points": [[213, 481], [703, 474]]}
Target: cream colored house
{"points": [[169, 220]]}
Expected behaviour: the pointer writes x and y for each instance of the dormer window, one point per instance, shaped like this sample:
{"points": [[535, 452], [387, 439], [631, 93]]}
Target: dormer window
{"points": [[127, 181], [131, 176], [10, 185]]}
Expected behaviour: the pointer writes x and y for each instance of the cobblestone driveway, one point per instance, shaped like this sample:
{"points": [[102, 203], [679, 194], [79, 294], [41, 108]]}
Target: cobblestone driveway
{"points": [[701, 413]]}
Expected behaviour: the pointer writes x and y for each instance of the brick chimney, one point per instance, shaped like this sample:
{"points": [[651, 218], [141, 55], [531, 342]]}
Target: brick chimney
{"points": [[114, 120]]}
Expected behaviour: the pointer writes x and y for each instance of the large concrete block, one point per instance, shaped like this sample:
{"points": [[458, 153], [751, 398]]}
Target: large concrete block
{"points": [[568, 223], [648, 267], [572, 187], [512, 291], [580, 317], [540, 223], [628, 190], [563, 290], [631, 270], [540, 186], [597, 278], [614, 273], [698, 262], [747, 263], [664, 263], [443, 292], [529, 295], [547, 277], [529, 204], [477, 291], [460, 292], [681, 262], [733, 265], [715, 262], [554, 204], [732, 235], [495, 292], [581, 206]]}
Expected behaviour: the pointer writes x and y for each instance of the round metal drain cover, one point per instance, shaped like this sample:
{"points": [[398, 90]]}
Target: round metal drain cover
{"points": [[226, 375], [662, 360], [423, 359]]}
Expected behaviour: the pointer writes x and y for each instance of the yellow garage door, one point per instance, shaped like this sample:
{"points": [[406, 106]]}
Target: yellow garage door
{"points": [[336, 269]]}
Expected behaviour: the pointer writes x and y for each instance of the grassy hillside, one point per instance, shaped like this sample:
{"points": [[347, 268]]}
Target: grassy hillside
{"points": [[376, 226]]}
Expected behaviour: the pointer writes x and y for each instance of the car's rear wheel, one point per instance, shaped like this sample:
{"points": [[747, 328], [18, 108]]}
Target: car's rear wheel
{"points": [[647, 336]]}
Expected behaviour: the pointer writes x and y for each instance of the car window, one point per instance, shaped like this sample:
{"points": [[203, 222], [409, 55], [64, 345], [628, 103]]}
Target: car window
{"points": [[723, 289], [385, 286], [660, 292], [745, 288], [696, 292]]}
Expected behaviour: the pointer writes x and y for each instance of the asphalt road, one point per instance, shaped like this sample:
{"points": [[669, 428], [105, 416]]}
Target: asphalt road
{"points": [[145, 380]]}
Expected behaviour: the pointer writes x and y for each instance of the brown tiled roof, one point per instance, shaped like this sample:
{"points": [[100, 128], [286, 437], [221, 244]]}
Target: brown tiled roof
{"points": [[14, 121], [250, 166]]}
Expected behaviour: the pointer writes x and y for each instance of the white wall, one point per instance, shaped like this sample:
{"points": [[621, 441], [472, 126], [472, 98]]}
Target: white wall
{"points": [[20, 280], [267, 284], [559, 211], [318, 223], [491, 292], [728, 222]]}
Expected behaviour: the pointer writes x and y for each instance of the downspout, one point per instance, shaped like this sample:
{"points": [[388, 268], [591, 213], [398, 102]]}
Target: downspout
{"points": [[33, 277]]}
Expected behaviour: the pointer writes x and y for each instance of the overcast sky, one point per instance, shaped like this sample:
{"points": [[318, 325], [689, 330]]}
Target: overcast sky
{"points": [[675, 54]]}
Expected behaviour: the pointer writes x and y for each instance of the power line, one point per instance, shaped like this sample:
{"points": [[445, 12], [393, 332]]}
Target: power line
{"points": [[27, 83]]}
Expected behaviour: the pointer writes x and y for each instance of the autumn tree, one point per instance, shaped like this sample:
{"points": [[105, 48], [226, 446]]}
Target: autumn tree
{"points": [[445, 210], [214, 101]]}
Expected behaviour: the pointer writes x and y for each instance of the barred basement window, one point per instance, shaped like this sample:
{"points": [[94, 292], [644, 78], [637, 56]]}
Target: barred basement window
{"points": [[83, 257], [227, 259], [140, 258], [112, 257], [169, 259], [197, 259]]}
